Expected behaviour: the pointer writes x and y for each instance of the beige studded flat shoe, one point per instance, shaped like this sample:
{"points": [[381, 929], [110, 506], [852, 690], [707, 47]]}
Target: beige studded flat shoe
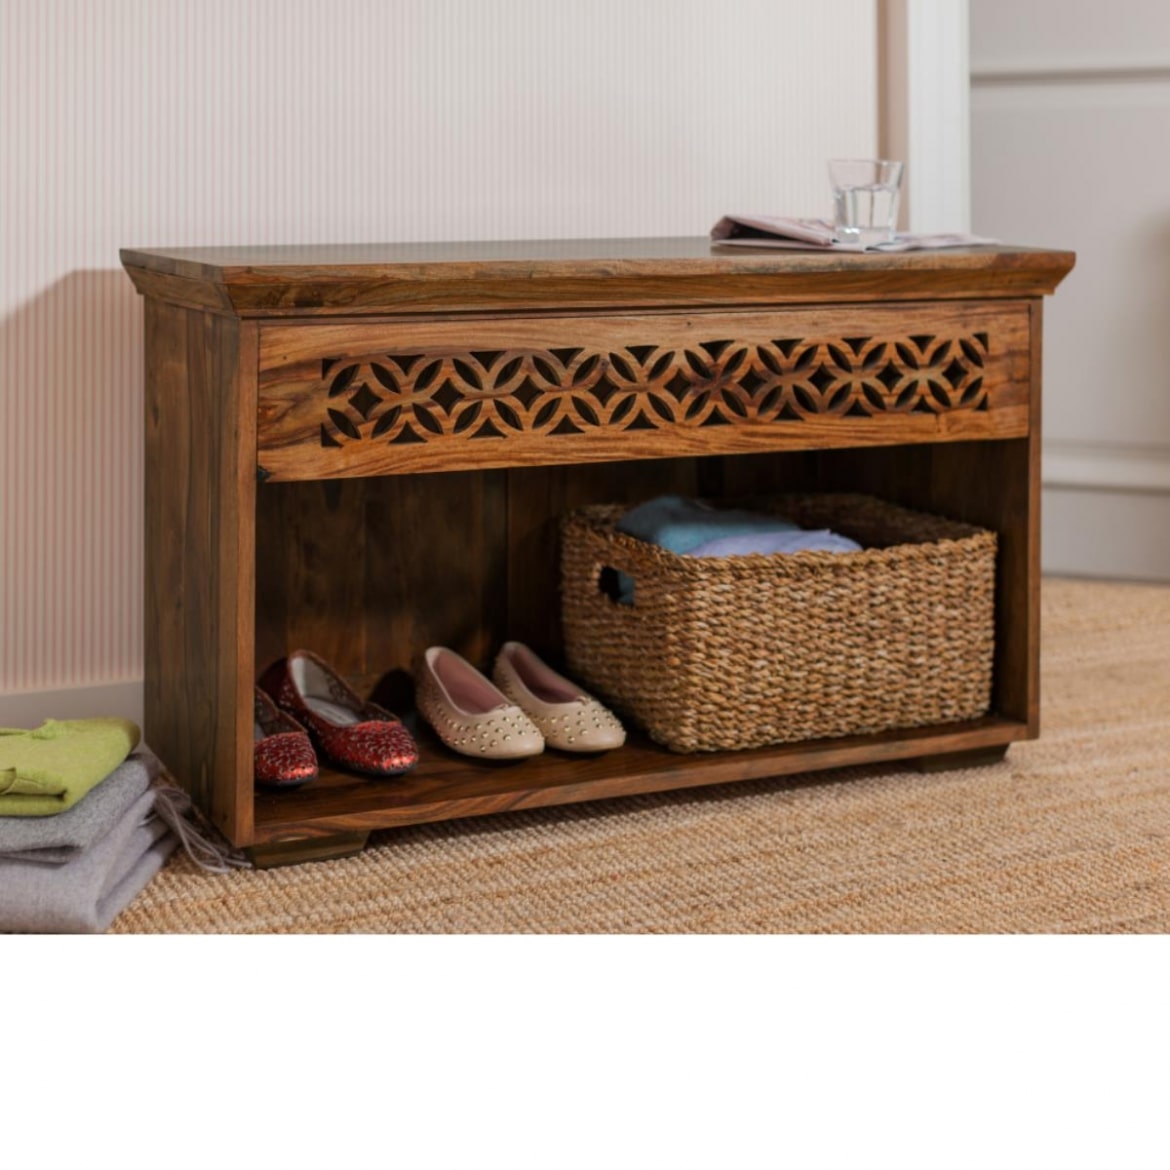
{"points": [[568, 718], [468, 714]]}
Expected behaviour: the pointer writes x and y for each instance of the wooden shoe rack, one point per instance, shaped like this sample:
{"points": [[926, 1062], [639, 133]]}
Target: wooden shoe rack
{"points": [[365, 450]]}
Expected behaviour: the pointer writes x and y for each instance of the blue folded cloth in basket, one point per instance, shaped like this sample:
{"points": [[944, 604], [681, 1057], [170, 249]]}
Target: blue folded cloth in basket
{"points": [[764, 543], [679, 524], [695, 528]]}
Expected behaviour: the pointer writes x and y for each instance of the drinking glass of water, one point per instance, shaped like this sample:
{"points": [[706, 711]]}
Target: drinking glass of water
{"points": [[865, 199]]}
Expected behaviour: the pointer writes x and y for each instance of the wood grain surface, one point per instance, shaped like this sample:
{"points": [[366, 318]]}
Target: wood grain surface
{"points": [[394, 398], [519, 276], [914, 377], [368, 573], [200, 565], [445, 786]]}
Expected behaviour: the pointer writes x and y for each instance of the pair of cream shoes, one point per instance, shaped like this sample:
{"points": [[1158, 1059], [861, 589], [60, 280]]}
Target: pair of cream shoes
{"points": [[528, 707]]}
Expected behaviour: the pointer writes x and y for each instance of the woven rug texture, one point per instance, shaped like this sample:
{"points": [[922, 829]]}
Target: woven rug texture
{"points": [[1071, 833]]}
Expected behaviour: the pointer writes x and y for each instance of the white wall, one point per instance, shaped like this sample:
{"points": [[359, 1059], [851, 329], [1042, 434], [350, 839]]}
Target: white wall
{"points": [[176, 122], [1070, 114]]}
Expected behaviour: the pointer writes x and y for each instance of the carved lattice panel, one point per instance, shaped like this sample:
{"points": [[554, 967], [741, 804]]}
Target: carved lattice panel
{"points": [[357, 398], [416, 397]]}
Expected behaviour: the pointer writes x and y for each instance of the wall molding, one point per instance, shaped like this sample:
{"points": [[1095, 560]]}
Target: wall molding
{"points": [[1105, 466], [1048, 73], [1110, 535]]}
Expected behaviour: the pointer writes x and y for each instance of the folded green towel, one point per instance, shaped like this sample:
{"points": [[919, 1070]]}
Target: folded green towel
{"points": [[48, 770]]}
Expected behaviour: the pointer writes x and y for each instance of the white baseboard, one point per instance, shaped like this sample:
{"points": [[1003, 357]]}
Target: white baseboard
{"points": [[1111, 466], [1110, 533], [1106, 509], [1065, 72], [32, 708]]}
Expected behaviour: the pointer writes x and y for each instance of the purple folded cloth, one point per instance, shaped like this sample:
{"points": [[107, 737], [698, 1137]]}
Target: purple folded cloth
{"points": [[752, 543]]}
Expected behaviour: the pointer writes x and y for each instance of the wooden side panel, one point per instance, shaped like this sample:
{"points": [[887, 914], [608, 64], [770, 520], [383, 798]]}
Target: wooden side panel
{"points": [[200, 482], [1029, 554], [393, 398]]}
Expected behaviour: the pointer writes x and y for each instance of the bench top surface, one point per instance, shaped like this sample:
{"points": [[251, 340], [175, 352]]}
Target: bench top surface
{"points": [[369, 277]]}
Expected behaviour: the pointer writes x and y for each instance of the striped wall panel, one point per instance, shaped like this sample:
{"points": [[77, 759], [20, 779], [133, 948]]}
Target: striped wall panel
{"points": [[171, 122]]}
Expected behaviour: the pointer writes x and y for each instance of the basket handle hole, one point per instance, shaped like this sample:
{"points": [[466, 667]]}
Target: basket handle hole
{"points": [[609, 583]]}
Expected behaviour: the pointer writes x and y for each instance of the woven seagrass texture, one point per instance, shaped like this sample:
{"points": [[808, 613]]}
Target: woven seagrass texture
{"points": [[1070, 833], [740, 652]]}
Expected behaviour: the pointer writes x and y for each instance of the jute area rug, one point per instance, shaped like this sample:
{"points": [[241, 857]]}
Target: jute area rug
{"points": [[1071, 833]]}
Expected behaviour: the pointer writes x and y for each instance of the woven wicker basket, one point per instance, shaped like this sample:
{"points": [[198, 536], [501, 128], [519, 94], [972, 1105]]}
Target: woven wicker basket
{"points": [[739, 652]]}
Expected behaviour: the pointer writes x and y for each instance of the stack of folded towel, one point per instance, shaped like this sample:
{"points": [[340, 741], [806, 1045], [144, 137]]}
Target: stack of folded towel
{"points": [[694, 528], [84, 824]]}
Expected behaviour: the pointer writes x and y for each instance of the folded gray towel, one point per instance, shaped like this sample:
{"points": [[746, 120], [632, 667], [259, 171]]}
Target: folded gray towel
{"points": [[57, 839], [84, 895]]}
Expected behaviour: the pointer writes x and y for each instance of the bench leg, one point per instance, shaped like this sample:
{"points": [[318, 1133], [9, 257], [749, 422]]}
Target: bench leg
{"points": [[306, 849], [948, 761]]}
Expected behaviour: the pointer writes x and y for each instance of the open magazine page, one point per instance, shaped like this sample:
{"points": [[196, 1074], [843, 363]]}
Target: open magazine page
{"points": [[774, 231]]}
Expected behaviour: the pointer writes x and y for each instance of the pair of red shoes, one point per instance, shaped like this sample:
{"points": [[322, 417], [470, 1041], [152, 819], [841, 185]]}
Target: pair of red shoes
{"points": [[303, 707]]}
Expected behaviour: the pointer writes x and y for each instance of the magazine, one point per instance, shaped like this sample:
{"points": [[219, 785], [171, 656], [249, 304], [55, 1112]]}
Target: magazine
{"points": [[775, 231]]}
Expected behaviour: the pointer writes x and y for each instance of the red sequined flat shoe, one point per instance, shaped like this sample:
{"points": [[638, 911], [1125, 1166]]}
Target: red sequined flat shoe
{"points": [[349, 732], [283, 756]]}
